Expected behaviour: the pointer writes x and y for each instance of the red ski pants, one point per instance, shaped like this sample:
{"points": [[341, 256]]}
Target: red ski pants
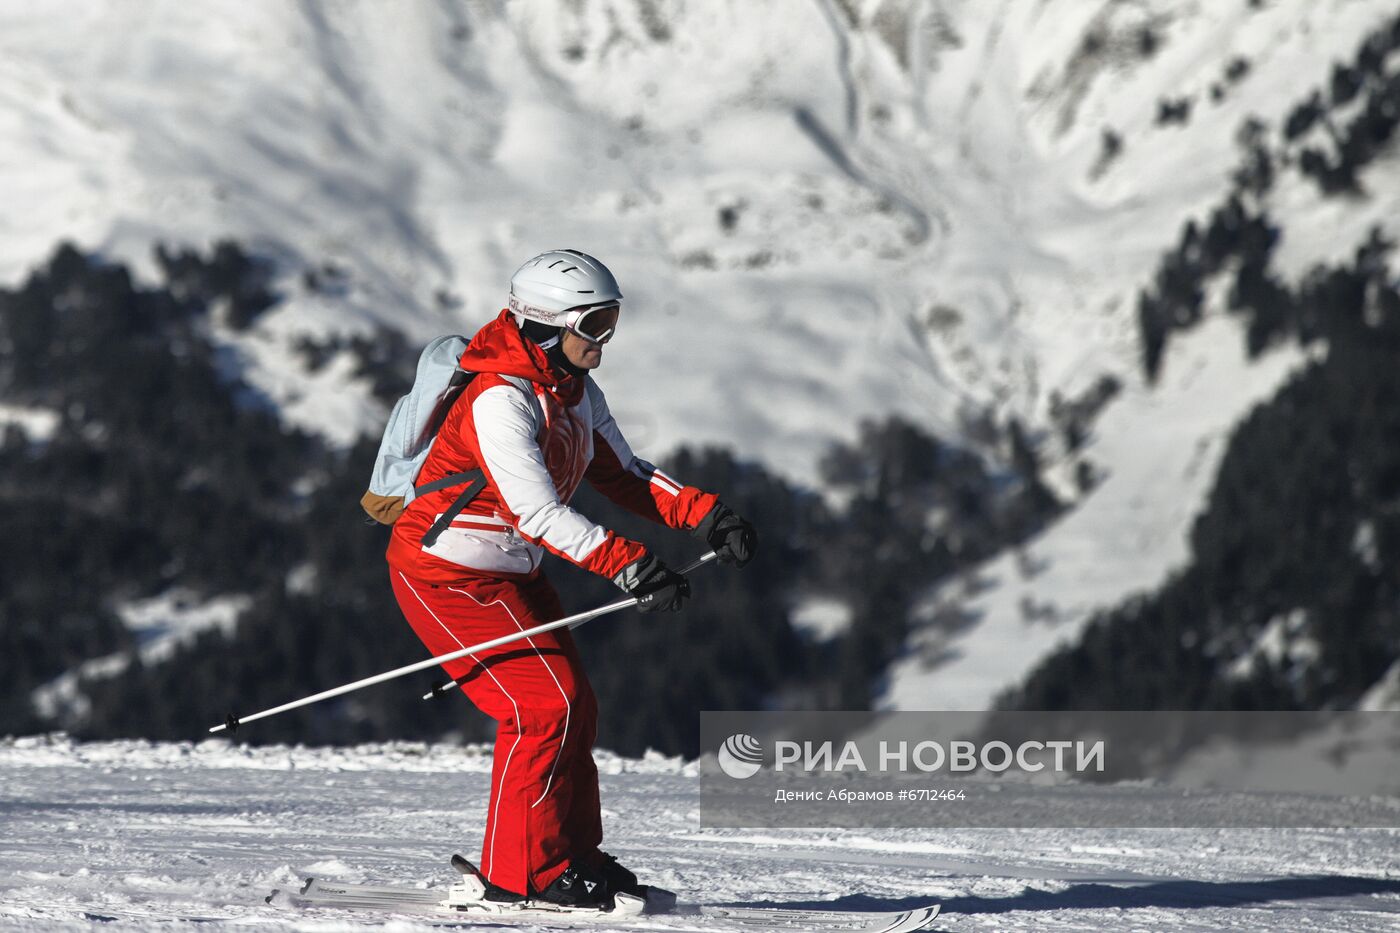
{"points": [[543, 811]]}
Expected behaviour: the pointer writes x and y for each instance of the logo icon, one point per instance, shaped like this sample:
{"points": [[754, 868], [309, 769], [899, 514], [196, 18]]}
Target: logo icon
{"points": [[740, 756]]}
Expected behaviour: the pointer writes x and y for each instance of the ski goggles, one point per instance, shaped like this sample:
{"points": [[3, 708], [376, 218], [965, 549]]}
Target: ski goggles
{"points": [[594, 323]]}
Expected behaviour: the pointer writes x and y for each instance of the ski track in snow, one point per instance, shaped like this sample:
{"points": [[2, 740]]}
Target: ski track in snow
{"points": [[139, 835]]}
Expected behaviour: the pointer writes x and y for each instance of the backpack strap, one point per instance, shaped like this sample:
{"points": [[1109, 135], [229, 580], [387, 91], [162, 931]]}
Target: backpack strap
{"points": [[476, 479], [476, 482]]}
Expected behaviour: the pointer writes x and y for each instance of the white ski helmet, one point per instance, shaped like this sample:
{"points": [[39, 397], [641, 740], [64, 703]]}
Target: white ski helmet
{"points": [[551, 284]]}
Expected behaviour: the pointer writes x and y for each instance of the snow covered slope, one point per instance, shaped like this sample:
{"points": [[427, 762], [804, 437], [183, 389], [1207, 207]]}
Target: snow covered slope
{"points": [[1164, 445], [791, 192], [137, 835], [819, 210]]}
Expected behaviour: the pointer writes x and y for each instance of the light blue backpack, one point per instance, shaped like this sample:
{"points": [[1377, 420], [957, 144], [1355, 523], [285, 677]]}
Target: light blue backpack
{"points": [[409, 435]]}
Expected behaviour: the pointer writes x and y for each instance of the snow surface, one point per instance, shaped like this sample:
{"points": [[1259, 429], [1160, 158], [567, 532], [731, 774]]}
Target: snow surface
{"points": [[1164, 445], [821, 618], [163, 622], [136, 835], [889, 164], [1385, 694], [38, 424], [1156, 448]]}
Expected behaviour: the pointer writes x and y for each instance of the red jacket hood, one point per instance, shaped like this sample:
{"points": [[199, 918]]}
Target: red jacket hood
{"points": [[499, 347]]}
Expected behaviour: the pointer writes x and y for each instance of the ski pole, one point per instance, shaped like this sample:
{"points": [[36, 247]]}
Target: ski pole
{"points": [[233, 722], [575, 621]]}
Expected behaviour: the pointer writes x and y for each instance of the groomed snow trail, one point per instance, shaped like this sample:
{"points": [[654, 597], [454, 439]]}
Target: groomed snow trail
{"points": [[141, 834]]}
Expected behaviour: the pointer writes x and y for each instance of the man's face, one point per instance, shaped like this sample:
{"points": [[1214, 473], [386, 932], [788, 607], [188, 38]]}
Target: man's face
{"points": [[585, 354]]}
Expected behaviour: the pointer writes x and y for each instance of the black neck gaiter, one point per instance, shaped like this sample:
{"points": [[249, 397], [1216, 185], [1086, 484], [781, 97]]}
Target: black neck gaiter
{"points": [[543, 334]]}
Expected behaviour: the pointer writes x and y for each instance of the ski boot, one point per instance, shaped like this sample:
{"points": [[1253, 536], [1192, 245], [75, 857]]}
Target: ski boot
{"points": [[620, 878], [578, 887]]}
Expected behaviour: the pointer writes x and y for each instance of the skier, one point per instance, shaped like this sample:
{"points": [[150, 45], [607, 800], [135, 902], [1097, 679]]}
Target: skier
{"points": [[535, 424]]}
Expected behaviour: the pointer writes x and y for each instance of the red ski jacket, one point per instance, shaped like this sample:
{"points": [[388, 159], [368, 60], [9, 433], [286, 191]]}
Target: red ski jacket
{"points": [[535, 434]]}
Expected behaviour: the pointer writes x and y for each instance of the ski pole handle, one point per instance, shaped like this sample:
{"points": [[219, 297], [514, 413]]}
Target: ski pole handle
{"points": [[233, 722], [576, 620]]}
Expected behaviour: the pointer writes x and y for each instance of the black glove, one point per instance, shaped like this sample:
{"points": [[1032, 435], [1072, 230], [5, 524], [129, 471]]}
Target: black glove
{"points": [[731, 538], [657, 587]]}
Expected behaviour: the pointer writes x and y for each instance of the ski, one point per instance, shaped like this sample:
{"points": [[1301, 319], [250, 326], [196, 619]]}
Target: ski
{"points": [[317, 894], [402, 899], [788, 918]]}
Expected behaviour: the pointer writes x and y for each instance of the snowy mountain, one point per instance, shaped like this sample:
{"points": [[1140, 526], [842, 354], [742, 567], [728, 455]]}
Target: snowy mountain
{"points": [[905, 210], [819, 211]]}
